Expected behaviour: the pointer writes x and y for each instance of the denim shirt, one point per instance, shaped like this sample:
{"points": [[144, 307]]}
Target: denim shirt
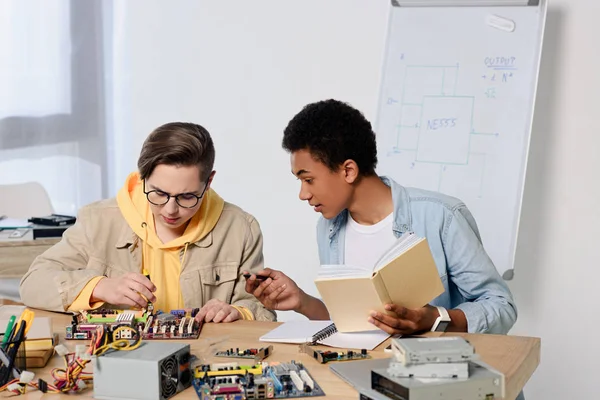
{"points": [[471, 281]]}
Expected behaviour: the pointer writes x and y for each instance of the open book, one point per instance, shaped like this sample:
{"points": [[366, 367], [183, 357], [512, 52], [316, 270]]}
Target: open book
{"points": [[325, 333], [406, 275]]}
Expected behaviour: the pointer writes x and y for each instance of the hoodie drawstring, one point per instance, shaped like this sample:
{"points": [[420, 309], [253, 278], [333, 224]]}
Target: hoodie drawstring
{"points": [[144, 249], [184, 251]]}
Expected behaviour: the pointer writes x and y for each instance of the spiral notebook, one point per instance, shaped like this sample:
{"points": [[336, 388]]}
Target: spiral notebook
{"points": [[325, 333]]}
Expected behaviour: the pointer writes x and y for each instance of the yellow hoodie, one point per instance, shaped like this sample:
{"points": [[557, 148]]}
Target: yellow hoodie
{"points": [[162, 261]]}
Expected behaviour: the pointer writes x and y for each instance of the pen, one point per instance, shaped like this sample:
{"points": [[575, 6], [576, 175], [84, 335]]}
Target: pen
{"points": [[258, 277], [8, 331], [27, 316], [13, 347]]}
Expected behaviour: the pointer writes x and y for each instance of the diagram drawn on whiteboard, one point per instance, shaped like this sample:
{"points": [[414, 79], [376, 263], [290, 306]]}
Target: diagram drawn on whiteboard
{"points": [[437, 126]]}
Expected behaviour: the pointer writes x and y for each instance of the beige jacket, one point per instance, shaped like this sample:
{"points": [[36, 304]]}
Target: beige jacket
{"points": [[102, 243]]}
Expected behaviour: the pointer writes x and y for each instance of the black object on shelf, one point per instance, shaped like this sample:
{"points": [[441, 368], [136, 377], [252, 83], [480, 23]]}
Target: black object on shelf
{"points": [[53, 220], [42, 231]]}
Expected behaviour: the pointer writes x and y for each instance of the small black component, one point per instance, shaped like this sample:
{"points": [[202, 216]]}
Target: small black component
{"points": [[42, 386], [258, 277]]}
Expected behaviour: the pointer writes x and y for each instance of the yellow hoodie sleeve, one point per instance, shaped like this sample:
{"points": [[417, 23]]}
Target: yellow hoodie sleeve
{"points": [[82, 301], [244, 312]]}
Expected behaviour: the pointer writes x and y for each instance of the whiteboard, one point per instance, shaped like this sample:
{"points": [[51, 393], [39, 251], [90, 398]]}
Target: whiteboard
{"points": [[456, 108]]}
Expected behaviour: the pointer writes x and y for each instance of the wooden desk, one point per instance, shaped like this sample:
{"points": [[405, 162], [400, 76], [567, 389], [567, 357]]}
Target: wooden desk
{"points": [[516, 357], [18, 254]]}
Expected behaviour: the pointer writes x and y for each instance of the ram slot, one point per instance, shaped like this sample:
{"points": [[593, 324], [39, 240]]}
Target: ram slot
{"points": [[191, 326], [307, 379], [181, 326], [234, 378], [297, 381]]}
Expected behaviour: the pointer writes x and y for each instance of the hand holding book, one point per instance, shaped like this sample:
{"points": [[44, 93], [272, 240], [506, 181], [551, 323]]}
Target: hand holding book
{"points": [[404, 321], [404, 279]]}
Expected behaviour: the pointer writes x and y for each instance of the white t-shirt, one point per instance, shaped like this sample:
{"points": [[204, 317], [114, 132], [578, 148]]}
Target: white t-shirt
{"points": [[365, 244]]}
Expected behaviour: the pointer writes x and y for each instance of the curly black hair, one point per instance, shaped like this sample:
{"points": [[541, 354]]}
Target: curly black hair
{"points": [[333, 132]]}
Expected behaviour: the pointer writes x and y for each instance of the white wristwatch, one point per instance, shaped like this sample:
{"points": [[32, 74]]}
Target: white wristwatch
{"points": [[442, 322]]}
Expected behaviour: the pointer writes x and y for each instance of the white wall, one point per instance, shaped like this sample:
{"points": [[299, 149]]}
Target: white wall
{"points": [[556, 277], [244, 69]]}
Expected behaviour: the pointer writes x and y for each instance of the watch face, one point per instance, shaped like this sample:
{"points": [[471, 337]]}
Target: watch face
{"points": [[442, 326]]}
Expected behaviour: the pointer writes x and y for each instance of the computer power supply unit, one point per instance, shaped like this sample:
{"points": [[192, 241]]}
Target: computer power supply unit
{"points": [[153, 371]]}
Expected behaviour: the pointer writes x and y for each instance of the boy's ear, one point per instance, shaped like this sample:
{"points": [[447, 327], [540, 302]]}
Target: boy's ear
{"points": [[350, 171], [210, 179]]}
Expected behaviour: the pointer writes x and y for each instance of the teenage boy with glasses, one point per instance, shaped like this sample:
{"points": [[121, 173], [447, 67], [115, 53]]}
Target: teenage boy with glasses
{"points": [[166, 222]]}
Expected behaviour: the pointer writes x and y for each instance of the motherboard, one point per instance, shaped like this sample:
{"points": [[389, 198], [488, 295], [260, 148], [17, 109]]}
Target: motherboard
{"points": [[275, 380], [176, 324]]}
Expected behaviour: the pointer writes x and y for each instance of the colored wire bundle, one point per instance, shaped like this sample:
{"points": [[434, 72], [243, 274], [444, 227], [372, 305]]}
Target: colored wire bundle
{"points": [[18, 387], [72, 377]]}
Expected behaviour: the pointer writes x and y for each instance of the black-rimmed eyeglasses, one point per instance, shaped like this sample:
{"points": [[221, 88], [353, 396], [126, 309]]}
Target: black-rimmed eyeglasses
{"points": [[185, 200]]}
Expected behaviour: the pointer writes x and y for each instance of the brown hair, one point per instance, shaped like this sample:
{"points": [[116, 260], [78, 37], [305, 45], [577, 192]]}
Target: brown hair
{"points": [[177, 143]]}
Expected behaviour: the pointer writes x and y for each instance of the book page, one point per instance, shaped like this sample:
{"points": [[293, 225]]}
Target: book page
{"points": [[334, 271], [349, 302], [404, 242]]}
